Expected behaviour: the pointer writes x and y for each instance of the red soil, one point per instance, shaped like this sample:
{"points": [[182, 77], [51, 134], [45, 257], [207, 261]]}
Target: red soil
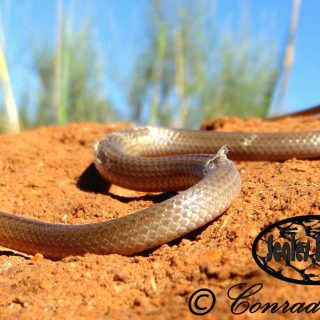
{"points": [[46, 175]]}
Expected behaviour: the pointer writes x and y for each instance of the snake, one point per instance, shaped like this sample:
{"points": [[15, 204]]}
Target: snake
{"points": [[196, 164]]}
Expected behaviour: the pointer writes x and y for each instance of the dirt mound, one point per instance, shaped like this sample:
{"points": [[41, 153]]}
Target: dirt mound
{"points": [[47, 174]]}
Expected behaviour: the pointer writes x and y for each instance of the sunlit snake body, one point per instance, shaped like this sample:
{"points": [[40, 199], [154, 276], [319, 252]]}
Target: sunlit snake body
{"points": [[159, 159]]}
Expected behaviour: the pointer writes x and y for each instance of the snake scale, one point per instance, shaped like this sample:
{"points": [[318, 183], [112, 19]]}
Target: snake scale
{"points": [[159, 159]]}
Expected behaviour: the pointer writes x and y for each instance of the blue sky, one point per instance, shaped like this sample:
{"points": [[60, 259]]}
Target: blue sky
{"points": [[119, 29]]}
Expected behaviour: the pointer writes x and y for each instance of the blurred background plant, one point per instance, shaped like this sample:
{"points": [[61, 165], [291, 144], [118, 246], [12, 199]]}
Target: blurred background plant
{"points": [[70, 79], [189, 68]]}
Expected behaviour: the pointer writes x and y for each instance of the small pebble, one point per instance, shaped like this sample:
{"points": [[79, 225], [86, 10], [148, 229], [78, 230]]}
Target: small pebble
{"points": [[120, 277], [37, 257], [45, 285]]}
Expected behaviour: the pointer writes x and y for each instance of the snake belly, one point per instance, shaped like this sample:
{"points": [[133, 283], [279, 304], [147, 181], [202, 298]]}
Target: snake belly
{"points": [[159, 159]]}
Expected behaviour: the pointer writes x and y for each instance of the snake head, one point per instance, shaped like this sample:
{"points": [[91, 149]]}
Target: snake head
{"points": [[219, 157]]}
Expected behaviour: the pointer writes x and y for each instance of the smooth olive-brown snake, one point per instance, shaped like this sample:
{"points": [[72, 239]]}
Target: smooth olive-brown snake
{"points": [[159, 159]]}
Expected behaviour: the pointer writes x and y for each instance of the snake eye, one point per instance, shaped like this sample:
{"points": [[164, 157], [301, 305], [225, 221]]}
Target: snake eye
{"points": [[209, 165]]}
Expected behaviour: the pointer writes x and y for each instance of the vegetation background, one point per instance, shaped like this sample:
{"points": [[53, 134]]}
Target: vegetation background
{"points": [[188, 69]]}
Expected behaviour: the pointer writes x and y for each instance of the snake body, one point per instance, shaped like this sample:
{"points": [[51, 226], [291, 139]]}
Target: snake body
{"points": [[159, 159]]}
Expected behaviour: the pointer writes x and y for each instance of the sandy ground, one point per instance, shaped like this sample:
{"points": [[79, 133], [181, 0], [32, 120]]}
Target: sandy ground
{"points": [[46, 174]]}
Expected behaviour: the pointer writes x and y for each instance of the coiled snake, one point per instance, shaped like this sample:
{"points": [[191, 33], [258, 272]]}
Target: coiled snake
{"points": [[159, 159]]}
